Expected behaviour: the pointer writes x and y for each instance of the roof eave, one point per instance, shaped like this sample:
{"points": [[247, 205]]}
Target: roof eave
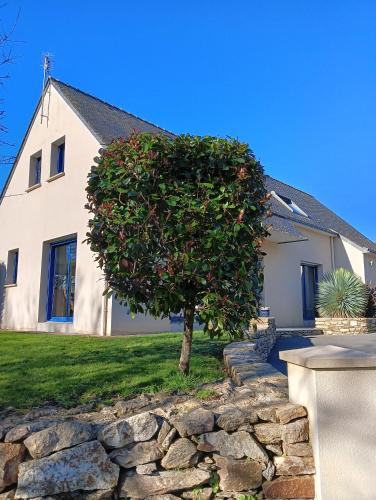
{"points": [[358, 247], [34, 115]]}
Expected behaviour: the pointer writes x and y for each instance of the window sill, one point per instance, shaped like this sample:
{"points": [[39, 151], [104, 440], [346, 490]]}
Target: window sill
{"points": [[10, 285], [31, 188], [56, 176], [59, 322]]}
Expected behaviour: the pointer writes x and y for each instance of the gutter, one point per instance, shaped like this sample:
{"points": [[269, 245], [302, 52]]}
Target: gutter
{"points": [[332, 252]]}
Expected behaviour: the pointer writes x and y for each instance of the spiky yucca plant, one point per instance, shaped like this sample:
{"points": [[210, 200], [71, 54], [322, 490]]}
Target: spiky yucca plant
{"points": [[341, 294]]}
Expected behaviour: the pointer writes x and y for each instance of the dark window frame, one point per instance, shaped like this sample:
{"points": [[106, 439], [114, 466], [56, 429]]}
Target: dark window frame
{"points": [[35, 170], [12, 268]]}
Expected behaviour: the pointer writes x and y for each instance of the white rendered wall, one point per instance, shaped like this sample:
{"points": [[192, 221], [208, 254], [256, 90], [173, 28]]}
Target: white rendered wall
{"points": [[282, 270], [370, 268], [122, 322], [52, 211], [349, 256]]}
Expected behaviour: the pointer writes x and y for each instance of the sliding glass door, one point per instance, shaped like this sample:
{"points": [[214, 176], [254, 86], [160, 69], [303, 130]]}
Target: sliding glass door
{"points": [[61, 289]]}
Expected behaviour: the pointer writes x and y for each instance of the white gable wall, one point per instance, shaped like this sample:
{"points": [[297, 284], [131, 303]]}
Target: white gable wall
{"points": [[53, 211]]}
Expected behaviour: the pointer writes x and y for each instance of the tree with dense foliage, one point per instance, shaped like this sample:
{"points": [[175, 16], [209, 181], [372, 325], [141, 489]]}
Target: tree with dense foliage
{"points": [[341, 294], [177, 226]]}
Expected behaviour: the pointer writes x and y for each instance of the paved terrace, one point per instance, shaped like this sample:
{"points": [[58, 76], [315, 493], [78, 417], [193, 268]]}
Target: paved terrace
{"points": [[365, 343]]}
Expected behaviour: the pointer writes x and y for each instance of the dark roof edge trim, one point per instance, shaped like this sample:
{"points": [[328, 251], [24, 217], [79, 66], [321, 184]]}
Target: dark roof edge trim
{"points": [[34, 115], [309, 226]]}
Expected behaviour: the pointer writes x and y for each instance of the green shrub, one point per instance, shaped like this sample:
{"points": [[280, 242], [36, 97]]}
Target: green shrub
{"points": [[177, 226], [341, 294]]}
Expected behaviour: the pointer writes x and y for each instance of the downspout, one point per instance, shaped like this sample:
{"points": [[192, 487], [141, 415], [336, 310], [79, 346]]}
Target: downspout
{"points": [[332, 252], [105, 313]]}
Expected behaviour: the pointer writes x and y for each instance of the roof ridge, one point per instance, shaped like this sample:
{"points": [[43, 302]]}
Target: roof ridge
{"points": [[109, 104], [289, 185]]}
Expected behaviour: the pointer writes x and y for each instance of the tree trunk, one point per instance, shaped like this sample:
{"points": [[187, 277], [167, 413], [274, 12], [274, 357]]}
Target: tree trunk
{"points": [[189, 313]]}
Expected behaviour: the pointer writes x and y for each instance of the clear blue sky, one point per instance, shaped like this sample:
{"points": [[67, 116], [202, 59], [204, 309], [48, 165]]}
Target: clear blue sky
{"points": [[296, 79]]}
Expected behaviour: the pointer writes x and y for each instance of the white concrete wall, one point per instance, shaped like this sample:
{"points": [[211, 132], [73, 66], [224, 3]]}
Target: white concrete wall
{"points": [[282, 269], [342, 410], [52, 211]]}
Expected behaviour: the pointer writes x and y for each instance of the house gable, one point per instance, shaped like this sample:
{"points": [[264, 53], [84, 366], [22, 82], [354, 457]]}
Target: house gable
{"points": [[60, 122]]}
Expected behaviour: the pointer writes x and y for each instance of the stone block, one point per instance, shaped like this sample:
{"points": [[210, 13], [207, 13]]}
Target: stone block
{"points": [[294, 466], [297, 487]]}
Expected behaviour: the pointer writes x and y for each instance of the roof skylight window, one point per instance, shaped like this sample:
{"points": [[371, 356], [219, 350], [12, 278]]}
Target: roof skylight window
{"points": [[290, 204]]}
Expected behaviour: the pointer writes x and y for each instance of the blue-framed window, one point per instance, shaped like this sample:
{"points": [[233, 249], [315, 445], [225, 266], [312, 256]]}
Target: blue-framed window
{"points": [[61, 281], [12, 269], [309, 289], [35, 170], [60, 158]]}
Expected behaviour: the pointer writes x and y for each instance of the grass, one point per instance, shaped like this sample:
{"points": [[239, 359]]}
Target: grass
{"points": [[37, 368], [207, 394]]}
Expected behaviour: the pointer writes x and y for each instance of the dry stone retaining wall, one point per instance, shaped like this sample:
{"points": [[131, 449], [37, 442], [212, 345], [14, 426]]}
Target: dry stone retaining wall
{"points": [[250, 443], [240, 445], [263, 334], [301, 332], [343, 326]]}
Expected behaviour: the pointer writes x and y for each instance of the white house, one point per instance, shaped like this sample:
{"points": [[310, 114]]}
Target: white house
{"points": [[48, 278]]}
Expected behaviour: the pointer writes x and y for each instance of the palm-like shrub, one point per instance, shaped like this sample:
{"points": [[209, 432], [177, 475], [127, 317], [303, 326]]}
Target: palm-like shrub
{"points": [[341, 294]]}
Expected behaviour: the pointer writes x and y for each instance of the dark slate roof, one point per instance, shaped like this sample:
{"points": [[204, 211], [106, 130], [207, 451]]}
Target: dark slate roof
{"points": [[319, 216], [105, 121], [284, 225]]}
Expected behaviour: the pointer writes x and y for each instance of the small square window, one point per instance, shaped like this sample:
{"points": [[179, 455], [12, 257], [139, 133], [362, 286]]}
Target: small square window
{"points": [[58, 157], [35, 171], [12, 268]]}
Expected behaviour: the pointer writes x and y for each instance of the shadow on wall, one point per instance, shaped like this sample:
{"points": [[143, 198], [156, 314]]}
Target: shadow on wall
{"points": [[2, 290]]}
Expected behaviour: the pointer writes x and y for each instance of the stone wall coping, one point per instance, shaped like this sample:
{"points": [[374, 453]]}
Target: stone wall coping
{"points": [[329, 357]]}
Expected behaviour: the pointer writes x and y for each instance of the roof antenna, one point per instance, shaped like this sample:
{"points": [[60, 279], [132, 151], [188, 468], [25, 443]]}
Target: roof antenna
{"points": [[47, 65]]}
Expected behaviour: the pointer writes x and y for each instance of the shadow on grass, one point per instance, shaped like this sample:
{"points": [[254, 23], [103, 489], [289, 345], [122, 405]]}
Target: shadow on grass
{"points": [[36, 368]]}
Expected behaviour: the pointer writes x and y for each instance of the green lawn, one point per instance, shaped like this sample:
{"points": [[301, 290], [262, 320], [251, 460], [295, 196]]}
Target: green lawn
{"points": [[37, 368]]}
